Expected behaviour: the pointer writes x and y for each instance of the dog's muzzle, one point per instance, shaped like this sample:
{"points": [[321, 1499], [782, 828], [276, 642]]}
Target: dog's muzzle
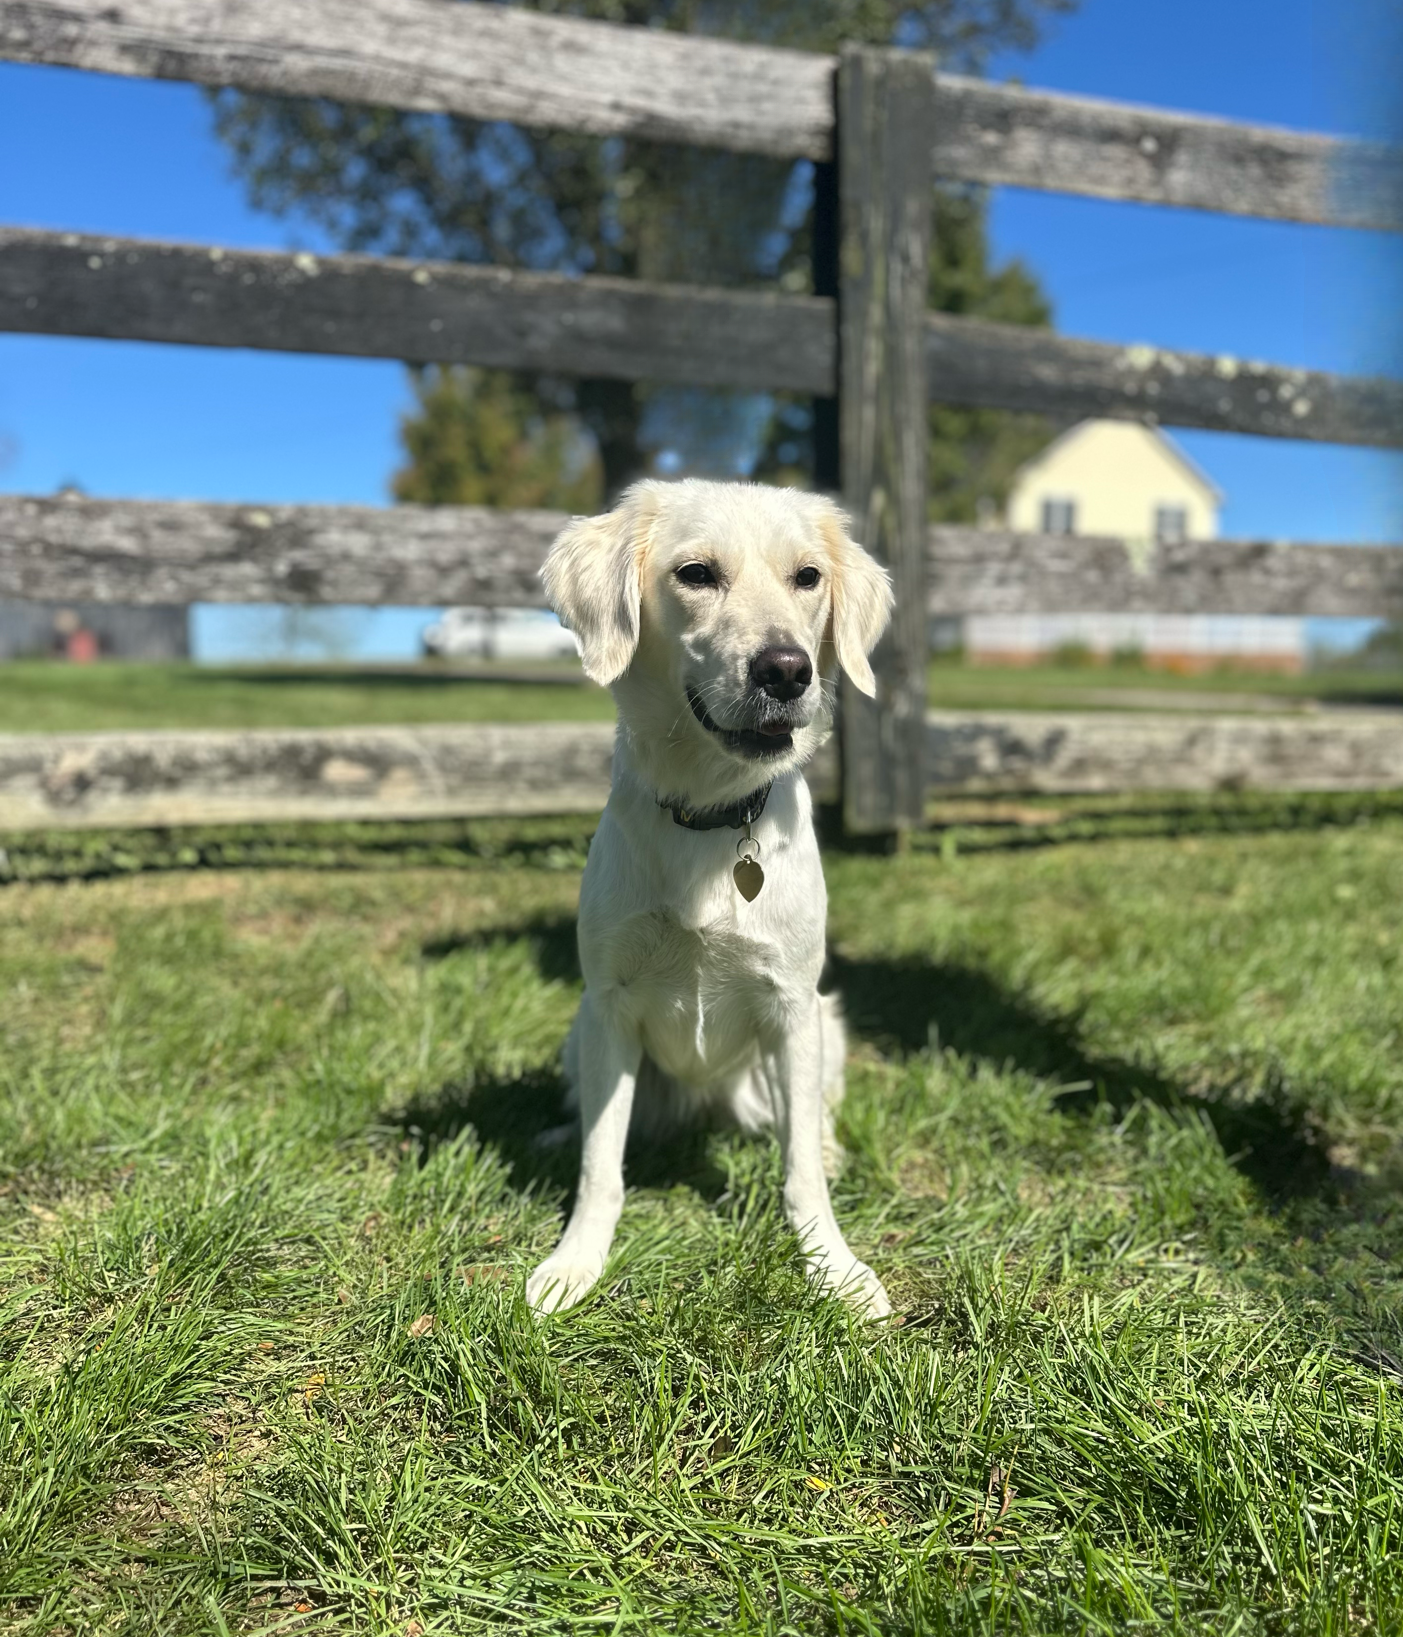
{"points": [[771, 735]]}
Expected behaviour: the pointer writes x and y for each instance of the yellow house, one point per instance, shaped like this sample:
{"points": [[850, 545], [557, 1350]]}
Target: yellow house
{"points": [[1131, 481], [1114, 477]]}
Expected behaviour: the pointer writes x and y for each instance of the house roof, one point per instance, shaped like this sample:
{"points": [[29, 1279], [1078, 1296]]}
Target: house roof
{"points": [[1189, 466]]}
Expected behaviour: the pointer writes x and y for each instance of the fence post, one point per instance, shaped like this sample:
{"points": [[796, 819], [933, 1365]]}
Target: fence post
{"points": [[884, 136], [828, 466]]}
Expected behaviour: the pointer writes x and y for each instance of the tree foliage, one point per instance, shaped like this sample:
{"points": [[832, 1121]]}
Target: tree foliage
{"points": [[429, 185], [974, 453], [480, 437], [1382, 649]]}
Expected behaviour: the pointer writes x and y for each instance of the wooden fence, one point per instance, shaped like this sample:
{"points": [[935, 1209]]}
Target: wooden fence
{"points": [[882, 126]]}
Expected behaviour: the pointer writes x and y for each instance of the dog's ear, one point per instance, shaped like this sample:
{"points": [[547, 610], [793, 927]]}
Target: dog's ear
{"points": [[591, 576], [862, 598]]}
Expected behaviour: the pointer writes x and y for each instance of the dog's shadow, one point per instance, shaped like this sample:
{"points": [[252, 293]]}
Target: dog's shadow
{"points": [[523, 1117], [903, 1005], [899, 1005]]}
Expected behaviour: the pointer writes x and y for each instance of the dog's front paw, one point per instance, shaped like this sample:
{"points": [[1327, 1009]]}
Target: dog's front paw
{"points": [[559, 1283], [855, 1283]]}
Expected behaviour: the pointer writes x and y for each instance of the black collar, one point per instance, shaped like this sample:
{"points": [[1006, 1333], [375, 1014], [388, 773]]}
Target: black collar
{"points": [[734, 817]]}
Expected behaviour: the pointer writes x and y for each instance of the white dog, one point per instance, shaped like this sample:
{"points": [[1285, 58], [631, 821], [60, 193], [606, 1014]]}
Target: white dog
{"points": [[719, 614]]}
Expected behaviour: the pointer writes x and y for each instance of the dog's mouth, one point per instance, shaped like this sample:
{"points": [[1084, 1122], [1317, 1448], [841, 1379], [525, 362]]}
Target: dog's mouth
{"points": [[768, 738]]}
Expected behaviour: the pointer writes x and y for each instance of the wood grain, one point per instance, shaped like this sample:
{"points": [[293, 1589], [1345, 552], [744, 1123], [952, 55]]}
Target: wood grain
{"points": [[1103, 751], [445, 312], [133, 551], [155, 552], [85, 781], [994, 571], [483, 61], [884, 121], [487, 62], [76, 781], [1012, 366], [1007, 134], [424, 312]]}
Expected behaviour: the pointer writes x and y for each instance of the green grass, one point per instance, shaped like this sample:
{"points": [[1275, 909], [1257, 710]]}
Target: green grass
{"points": [[38, 696], [1122, 1127], [956, 686], [44, 697]]}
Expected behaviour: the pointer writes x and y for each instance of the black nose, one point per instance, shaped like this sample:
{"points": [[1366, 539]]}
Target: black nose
{"points": [[783, 673]]}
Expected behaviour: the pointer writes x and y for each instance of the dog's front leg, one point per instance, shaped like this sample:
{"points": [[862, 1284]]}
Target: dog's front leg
{"points": [[796, 1071], [608, 1071]]}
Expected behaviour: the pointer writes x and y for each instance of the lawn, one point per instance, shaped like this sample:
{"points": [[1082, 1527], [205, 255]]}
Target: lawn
{"points": [[955, 685], [44, 697], [39, 696], [1121, 1125]]}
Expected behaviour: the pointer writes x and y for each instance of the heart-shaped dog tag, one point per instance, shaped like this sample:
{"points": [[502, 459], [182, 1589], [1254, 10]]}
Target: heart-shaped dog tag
{"points": [[749, 879]]}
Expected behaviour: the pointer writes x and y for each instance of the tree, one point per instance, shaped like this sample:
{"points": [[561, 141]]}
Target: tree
{"points": [[974, 453], [429, 185], [480, 437], [1381, 650]]}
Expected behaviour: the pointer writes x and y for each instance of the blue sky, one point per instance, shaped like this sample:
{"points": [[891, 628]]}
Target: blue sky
{"points": [[133, 157], [1318, 298]]}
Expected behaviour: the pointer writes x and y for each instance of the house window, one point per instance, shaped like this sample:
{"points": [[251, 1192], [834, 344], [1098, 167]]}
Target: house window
{"points": [[1059, 516], [1171, 525]]}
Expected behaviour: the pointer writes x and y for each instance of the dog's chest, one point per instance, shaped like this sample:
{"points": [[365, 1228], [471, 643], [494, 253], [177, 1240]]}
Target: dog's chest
{"points": [[699, 997]]}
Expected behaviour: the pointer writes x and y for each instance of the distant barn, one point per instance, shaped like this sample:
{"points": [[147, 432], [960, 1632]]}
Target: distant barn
{"points": [[35, 630]]}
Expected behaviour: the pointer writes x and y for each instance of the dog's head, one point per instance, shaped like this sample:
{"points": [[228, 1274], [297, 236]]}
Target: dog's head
{"points": [[720, 614]]}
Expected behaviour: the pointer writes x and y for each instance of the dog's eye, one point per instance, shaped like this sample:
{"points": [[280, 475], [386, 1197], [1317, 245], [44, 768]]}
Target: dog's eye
{"points": [[806, 579], [696, 574]]}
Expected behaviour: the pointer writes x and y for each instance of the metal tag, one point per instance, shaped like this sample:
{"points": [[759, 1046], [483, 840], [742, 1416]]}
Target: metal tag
{"points": [[749, 879]]}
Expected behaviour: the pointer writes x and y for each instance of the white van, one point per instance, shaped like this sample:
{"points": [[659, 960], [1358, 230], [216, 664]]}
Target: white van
{"points": [[498, 633]]}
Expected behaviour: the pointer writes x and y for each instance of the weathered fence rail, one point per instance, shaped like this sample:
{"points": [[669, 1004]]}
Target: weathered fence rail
{"points": [[488, 62], [97, 780], [1065, 752], [427, 312], [140, 551], [445, 312], [978, 571], [864, 339], [77, 781]]}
